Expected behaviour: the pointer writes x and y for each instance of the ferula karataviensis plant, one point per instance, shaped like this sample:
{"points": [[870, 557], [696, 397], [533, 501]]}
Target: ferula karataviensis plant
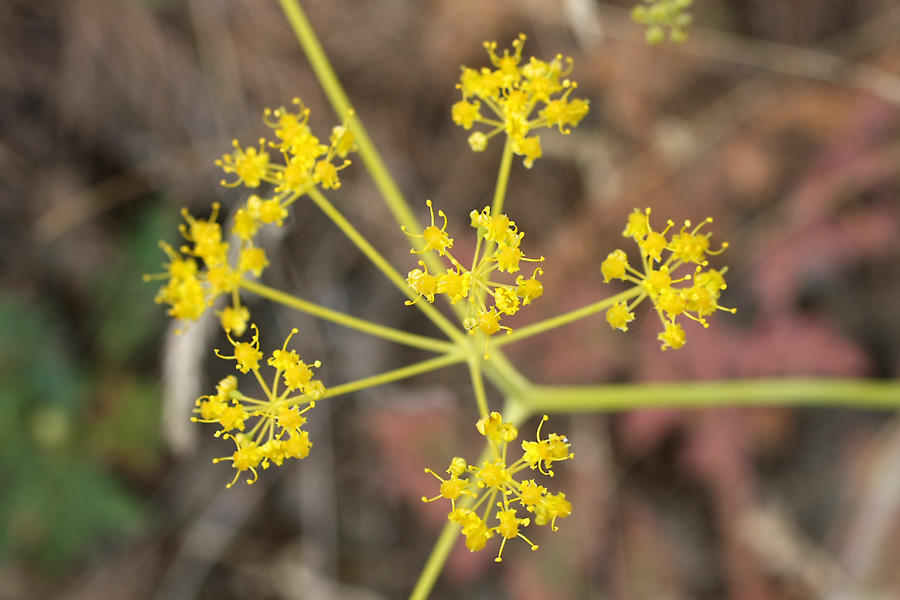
{"points": [[262, 410]]}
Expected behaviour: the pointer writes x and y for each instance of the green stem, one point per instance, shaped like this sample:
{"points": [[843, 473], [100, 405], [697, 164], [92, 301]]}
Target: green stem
{"points": [[478, 384], [502, 178], [327, 314], [444, 324], [437, 558], [845, 393], [566, 318], [406, 372]]}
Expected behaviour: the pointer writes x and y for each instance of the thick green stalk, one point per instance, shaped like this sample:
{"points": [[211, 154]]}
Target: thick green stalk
{"points": [[515, 411], [504, 375], [844, 393], [327, 314]]}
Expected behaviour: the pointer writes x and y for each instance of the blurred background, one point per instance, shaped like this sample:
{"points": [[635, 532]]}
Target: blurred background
{"points": [[779, 120]]}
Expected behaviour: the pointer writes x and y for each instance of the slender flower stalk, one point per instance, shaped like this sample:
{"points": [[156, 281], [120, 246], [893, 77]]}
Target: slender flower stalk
{"points": [[566, 318], [394, 335], [419, 368], [478, 385], [503, 177]]}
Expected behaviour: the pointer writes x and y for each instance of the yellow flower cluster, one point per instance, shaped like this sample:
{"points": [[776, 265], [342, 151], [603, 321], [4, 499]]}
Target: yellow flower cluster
{"points": [[661, 15], [190, 288], [497, 249], [307, 162], [493, 484], [202, 270], [513, 92], [277, 434], [696, 299]]}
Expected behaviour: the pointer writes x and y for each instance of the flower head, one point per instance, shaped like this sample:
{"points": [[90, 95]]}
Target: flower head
{"points": [[209, 265], [497, 250], [698, 295], [276, 434], [201, 270], [494, 492], [518, 98]]}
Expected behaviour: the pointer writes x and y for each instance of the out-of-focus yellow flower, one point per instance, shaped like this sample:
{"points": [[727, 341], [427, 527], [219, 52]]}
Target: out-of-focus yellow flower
{"points": [[200, 271], [660, 15]]}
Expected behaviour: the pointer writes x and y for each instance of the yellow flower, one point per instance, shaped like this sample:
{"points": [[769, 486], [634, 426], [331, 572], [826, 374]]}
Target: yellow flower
{"points": [[306, 163], [453, 488], [245, 224], [246, 457], [478, 142], [271, 211], [234, 319], [246, 354], [506, 300], [552, 507], [293, 130], [423, 283], [250, 165], [530, 148], [529, 289], [206, 237], [343, 141], [454, 284], [253, 260], [614, 266], [541, 454], [672, 336], [464, 113], [435, 237], [326, 173]]}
